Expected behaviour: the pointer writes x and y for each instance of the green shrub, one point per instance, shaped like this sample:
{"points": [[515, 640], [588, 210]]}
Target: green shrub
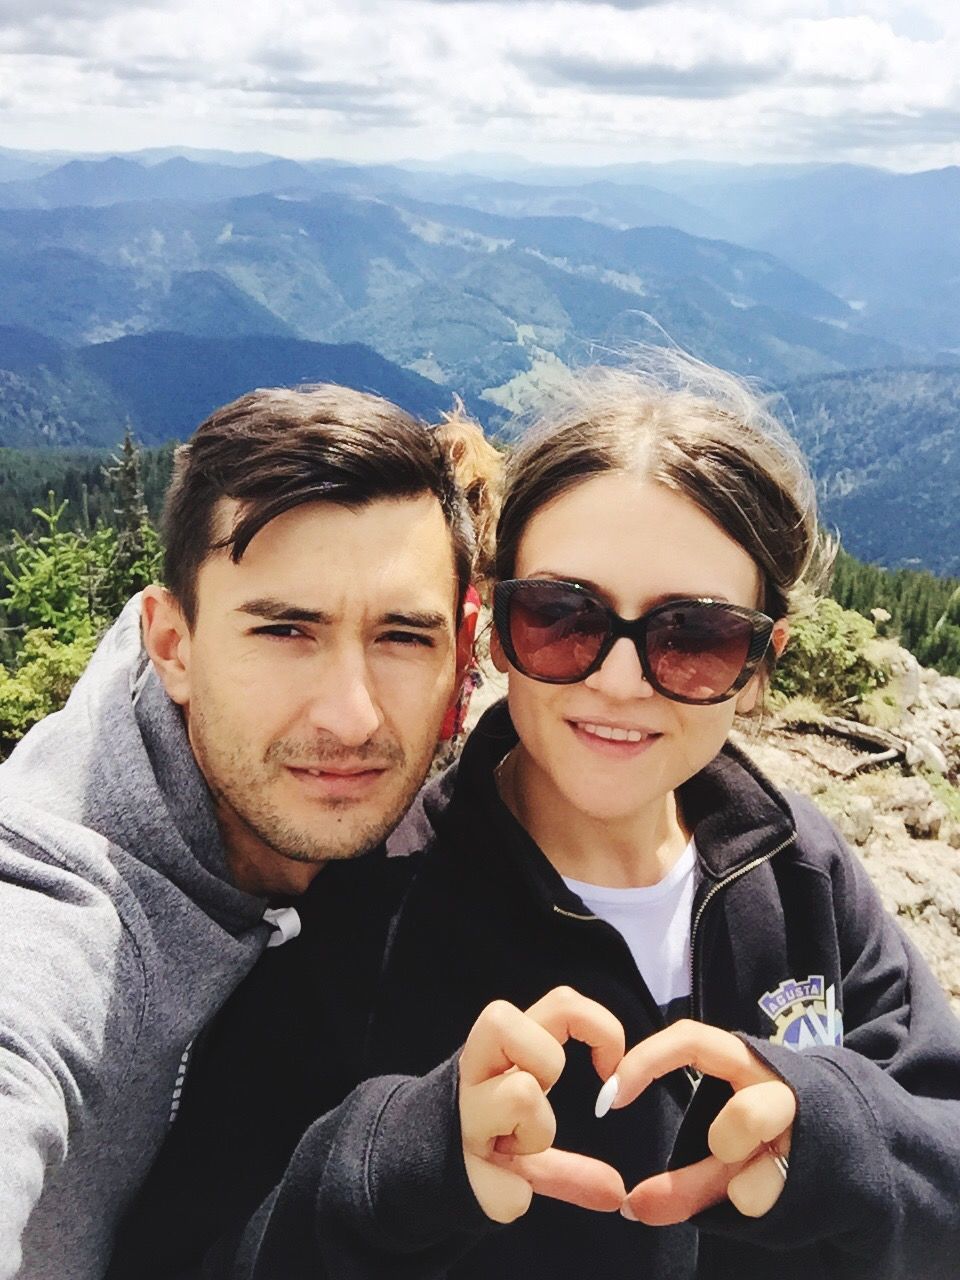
{"points": [[829, 658], [45, 673]]}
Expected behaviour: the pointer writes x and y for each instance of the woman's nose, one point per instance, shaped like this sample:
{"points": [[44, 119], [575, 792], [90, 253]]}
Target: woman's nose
{"points": [[621, 673]]}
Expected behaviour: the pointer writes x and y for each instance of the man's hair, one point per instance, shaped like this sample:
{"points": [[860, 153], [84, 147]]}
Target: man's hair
{"points": [[274, 450]]}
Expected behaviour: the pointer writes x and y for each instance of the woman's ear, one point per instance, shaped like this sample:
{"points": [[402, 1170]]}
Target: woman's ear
{"points": [[780, 636], [497, 656], [750, 693]]}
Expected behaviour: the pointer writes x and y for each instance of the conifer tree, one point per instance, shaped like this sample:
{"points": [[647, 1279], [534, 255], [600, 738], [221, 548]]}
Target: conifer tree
{"points": [[137, 553]]}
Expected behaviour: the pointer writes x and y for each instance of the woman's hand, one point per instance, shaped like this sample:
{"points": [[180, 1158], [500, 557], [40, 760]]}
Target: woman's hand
{"points": [[509, 1063], [749, 1139]]}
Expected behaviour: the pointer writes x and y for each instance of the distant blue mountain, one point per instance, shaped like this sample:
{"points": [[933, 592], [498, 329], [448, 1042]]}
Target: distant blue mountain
{"points": [[164, 384]]}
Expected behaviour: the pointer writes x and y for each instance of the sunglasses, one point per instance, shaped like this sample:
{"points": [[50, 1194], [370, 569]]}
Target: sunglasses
{"points": [[694, 651]]}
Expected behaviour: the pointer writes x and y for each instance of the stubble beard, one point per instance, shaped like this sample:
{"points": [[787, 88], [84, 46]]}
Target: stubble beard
{"points": [[241, 786]]}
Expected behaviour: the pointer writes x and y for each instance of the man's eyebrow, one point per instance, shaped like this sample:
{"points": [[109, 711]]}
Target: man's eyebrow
{"points": [[425, 620], [281, 611]]}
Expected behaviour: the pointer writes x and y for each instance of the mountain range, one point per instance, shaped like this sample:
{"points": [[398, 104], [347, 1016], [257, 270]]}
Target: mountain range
{"points": [[147, 288], [482, 302]]}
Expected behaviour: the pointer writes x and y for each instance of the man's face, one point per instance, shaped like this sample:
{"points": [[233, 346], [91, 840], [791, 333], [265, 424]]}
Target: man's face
{"points": [[316, 678]]}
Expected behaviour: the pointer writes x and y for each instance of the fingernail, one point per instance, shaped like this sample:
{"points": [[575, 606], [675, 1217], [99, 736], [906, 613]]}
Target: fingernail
{"points": [[607, 1096], [627, 1212]]}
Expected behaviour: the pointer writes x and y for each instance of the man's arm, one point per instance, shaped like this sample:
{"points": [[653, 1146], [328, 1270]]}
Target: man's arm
{"points": [[61, 951]]}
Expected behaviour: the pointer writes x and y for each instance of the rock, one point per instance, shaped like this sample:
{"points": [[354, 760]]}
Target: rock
{"points": [[952, 835], [906, 673], [912, 799], [946, 692], [855, 819], [921, 751]]}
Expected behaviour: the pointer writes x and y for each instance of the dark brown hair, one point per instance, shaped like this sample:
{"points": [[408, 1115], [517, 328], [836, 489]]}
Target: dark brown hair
{"points": [[695, 430], [277, 449]]}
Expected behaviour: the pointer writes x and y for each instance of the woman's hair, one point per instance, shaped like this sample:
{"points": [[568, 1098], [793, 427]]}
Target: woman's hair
{"points": [[478, 470], [695, 430]]}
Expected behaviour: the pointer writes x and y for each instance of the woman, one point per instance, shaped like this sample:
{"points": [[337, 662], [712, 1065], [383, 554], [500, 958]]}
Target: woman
{"points": [[601, 832]]}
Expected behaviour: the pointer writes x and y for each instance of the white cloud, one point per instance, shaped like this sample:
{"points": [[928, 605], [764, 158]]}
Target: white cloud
{"points": [[588, 80]]}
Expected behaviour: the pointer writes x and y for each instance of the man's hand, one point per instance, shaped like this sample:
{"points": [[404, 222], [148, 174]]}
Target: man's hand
{"points": [[508, 1064], [749, 1139]]}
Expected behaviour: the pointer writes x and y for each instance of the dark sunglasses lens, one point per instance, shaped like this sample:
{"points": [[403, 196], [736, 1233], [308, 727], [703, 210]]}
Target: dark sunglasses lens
{"points": [[556, 634], [698, 651]]}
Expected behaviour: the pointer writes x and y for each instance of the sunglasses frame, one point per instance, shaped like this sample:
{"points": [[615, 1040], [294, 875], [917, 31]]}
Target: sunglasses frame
{"points": [[634, 629]]}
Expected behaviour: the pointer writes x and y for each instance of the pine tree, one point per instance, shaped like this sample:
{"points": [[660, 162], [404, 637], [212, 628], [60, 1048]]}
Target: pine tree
{"points": [[137, 555]]}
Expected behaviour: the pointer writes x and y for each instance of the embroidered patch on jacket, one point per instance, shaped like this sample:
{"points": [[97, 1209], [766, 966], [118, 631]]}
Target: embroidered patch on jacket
{"points": [[804, 1012]]}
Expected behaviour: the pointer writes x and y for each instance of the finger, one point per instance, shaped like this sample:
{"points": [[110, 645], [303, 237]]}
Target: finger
{"points": [[511, 1108], [577, 1179], [503, 1037], [759, 1114], [686, 1043], [677, 1195], [567, 1014], [757, 1187], [502, 1194]]}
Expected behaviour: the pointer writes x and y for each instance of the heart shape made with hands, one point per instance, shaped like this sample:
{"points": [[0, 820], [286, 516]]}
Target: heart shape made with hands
{"points": [[749, 1139], [512, 1059]]}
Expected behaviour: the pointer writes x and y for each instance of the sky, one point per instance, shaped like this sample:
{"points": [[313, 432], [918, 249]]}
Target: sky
{"points": [[557, 81]]}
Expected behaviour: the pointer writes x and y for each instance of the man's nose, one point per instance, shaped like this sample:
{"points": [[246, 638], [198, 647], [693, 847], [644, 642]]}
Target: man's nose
{"points": [[343, 701], [621, 673]]}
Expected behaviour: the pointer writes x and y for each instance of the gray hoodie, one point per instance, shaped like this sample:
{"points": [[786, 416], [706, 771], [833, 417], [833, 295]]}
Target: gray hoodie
{"points": [[120, 936]]}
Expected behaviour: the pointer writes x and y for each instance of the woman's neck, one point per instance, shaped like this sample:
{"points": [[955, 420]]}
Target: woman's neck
{"points": [[621, 854]]}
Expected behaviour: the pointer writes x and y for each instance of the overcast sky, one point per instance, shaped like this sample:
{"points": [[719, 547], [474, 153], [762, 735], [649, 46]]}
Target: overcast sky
{"points": [[582, 81]]}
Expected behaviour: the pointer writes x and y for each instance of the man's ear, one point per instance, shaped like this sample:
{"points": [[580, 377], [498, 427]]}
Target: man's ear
{"points": [[456, 712], [466, 635], [166, 638]]}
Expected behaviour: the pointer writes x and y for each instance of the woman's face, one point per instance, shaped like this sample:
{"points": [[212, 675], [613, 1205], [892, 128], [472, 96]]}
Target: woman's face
{"points": [[635, 544]]}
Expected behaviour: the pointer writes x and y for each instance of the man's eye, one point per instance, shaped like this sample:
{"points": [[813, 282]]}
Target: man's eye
{"points": [[412, 638], [280, 630]]}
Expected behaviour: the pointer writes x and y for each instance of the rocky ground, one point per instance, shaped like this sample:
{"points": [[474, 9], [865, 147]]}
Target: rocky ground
{"points": [[902, 816], [896, 824]]}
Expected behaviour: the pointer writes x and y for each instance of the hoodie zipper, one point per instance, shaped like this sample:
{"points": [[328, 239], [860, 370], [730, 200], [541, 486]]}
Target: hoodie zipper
{"points": [[695, 1009]]}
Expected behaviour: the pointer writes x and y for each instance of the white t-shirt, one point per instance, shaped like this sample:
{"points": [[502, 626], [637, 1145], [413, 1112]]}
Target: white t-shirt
{"points": [[655, 923]]}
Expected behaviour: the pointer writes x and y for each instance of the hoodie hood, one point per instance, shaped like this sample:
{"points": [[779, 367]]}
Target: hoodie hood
{"points": [[128, 775]]}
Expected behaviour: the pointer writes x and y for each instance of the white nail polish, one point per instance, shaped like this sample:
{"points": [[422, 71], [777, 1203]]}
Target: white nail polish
{"points": [[607, 1097]]}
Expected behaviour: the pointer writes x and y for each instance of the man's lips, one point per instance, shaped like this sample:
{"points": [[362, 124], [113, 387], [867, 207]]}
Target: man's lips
{"points": [[337, 780], [337, 771]]}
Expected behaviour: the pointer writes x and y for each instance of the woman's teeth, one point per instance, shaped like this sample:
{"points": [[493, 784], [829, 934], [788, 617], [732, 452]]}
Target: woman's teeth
{"points": [[614, 735]]}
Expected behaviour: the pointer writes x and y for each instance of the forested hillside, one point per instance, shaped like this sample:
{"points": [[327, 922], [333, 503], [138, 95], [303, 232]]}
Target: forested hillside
{"points": [[884, 446]]}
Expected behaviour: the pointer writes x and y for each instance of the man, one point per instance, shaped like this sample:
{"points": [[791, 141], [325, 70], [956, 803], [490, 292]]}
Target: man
{"points": [[271, 710]]}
